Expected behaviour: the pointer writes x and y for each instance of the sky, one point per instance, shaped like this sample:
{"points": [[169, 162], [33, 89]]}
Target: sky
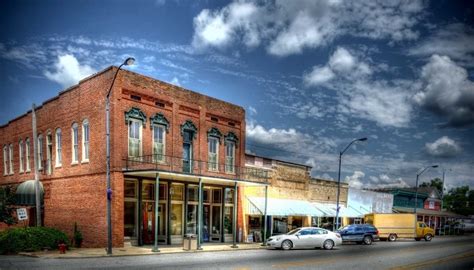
{"points": [[312, 75]]}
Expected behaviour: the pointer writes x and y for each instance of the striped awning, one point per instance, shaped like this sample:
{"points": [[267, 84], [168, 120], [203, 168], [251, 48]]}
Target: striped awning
{"points": [[329, 210], [281, 207], [25, 193]]}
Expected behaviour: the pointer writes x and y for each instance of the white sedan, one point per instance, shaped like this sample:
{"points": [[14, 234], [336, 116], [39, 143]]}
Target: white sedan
{"points": [[306, 237]]}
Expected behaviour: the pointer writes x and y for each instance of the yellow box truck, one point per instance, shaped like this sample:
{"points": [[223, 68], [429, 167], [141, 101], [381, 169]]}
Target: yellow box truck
{"points": [[393, 226]]}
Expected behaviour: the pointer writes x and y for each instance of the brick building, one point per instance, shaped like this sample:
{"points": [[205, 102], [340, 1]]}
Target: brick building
{"points": [[162, 135]]}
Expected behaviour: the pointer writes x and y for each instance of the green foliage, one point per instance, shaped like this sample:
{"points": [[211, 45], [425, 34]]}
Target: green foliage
{"points": [[460, 200], [30, 239], [436, 183], [7, 201], [77, 236]]}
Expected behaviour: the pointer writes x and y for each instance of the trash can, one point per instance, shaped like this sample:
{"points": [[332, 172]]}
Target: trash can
{"points": [[190, 242]]}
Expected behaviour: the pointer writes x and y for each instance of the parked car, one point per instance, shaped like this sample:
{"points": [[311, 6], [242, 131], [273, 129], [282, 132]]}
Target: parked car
{"points": [[399, 225], [359, 233], [305, 237]]}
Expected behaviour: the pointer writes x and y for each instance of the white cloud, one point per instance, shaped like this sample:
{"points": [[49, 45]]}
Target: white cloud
{"points": [[318, 75], [175, 81], [355, 180], [454, 40], [260, 134], [252, 110], [447, 91], [289, 27], [443, 147], [67, 71]]}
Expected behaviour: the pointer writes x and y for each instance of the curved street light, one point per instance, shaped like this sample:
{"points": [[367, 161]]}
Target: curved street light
{"points": [[416, 184], [129, 61], [339, 178]]}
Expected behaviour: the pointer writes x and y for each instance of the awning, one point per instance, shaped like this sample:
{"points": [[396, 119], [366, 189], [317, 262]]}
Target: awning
{"points": [[282, 207], [25, 193], [329, 210], [427, 212]]}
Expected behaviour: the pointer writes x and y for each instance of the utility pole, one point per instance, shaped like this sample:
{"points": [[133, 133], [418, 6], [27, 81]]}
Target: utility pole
{"points": [[36, 161]]}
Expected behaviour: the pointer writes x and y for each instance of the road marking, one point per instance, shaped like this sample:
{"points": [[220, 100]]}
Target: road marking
{"points": [[431, 262]]}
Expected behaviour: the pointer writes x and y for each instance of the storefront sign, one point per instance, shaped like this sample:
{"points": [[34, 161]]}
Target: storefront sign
{"points": [[21, 214]]}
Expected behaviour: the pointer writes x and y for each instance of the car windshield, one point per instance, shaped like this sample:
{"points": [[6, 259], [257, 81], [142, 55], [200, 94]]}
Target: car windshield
{"points": [[293, 231]]}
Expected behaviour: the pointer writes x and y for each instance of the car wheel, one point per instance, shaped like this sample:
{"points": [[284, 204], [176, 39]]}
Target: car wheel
{"points": [[367, 240], [428, 237], [286, 245], [392, 237], [328, 244]]}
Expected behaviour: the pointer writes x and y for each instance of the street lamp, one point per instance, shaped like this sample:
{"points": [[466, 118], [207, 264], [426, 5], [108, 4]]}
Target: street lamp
{"points": [[416, 184], [339, 178], [127, 62]]}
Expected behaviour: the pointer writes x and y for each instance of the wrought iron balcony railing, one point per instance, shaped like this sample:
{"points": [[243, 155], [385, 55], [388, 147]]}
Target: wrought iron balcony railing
{"points": [[195, 167]]}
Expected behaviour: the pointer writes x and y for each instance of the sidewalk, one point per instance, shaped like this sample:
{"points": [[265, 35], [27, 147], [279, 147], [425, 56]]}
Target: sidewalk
{"points": [[129, 250]]}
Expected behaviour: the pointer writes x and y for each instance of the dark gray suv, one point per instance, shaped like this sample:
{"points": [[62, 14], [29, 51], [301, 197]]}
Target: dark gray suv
{"points": [[359, 233]]}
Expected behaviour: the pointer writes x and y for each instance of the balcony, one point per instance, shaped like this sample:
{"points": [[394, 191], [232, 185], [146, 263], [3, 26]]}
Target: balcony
{"points": [[197, 168]]}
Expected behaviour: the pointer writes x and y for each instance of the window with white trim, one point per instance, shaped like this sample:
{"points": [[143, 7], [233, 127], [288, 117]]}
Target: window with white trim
{"points": [[40, 152], [27, 154], [85, 140], [59, 156], [75, 143], [5, 160], [10, 158], [213, 153], [20, 154], [159, 143], [49, 153], [134, 138], [230, 157]]}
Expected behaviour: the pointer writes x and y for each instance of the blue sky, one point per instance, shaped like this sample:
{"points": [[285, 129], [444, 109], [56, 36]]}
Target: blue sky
{"points": [[312, 75]]}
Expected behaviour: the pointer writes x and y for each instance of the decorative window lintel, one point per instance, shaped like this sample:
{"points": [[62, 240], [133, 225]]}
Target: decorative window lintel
{"points": [[135, 113], [159, 119], [231, 137], [214, 132], [189, 126]]}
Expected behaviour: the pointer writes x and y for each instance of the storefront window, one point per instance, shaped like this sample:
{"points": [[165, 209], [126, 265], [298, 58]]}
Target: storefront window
{"points": [[206, 195], [163, 192], [229, 195], [228, 217], [280, 225], [216, 219], [176, 192], [129, 219], [176, 219], [148, 191], [193, 193], [191, 219], [130, 189], [217, 196]]}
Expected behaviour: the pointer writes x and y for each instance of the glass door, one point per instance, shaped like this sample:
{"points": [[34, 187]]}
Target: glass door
{"points": [[148, 210], [206, 222], [187, 154]]}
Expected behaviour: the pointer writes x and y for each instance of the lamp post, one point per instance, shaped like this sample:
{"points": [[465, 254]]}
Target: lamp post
{"points": [[339, 178], [127, 62], [416, 184]]}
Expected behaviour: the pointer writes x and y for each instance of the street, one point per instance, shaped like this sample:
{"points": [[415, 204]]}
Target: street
{"points": [[441, 253]]}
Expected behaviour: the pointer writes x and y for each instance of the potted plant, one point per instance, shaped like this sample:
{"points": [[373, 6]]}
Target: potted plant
{"points": [[77, 236]]}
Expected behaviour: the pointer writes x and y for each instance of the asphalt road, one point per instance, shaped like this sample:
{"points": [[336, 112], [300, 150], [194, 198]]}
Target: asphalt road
{"points": [[442, 253]]}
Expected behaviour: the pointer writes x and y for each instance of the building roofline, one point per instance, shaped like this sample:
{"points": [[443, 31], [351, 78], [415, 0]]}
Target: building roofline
{"points": [[284, 161]]}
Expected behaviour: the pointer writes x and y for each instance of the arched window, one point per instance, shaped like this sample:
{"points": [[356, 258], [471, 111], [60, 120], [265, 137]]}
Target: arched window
{"points": [[159, 125], [59, 156], [230, 141], [5, 160], [213, 138], [27, 154], [135, 119], [85, 140], [75, 143], [10, 157], [40, 152], [49, 152], [20, 153]]}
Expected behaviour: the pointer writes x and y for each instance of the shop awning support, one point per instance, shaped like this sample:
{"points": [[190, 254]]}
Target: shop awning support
{"points": [[265, 218], [199, 227], [234, 220], [157, 214]]}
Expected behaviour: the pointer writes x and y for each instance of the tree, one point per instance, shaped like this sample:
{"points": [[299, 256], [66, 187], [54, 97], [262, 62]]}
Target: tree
{"points": [[7, 201], [436, 183], [460, 200]]}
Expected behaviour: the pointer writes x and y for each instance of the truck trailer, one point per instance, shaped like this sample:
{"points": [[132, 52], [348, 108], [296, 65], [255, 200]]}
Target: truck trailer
{"points": [[393, 226]]}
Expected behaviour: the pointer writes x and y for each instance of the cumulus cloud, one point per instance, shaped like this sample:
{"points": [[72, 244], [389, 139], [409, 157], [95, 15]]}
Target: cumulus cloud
{"points": [[454, 40], [443, 147], [289, 27], [359, 181], [355, 180], [67, 71], [262, 135], [447, 91]]}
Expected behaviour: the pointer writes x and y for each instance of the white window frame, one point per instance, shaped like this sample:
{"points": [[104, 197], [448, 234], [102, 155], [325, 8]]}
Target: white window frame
{"points": [[10, 158], [140, 138], [5, 160], [58, 148], [40, 152], [20, 155], [230, 168], [27, 155], [85, 143], [74, 143], [213, 166], [156, 156]]}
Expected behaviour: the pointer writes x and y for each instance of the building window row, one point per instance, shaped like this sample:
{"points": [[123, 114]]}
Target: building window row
{"points": [[24, 150], [136, 120]]}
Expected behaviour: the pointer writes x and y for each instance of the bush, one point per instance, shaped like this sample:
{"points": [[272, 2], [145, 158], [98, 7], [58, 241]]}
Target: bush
{"points": [[30, 239]]}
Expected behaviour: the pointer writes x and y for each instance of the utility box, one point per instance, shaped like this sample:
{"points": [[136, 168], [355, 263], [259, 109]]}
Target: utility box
{"points": [[190, 242]]}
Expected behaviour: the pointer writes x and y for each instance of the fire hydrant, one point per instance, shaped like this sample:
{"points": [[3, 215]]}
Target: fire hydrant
{"points": [[62, 248]]}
